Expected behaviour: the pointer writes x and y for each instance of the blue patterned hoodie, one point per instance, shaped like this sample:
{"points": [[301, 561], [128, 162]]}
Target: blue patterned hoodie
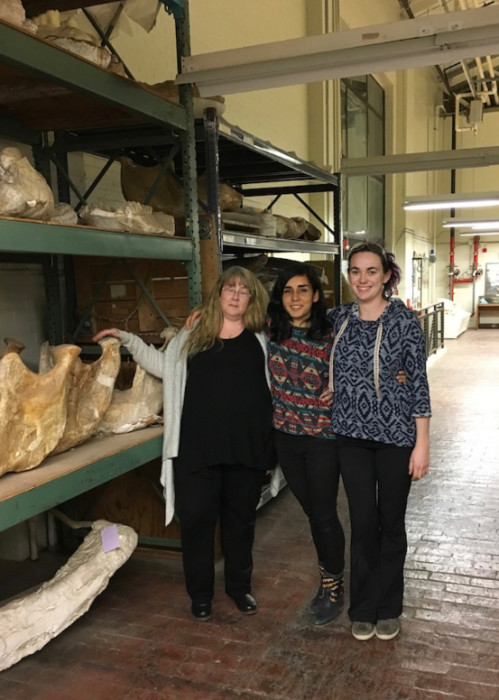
{"points": [[369, 403]]}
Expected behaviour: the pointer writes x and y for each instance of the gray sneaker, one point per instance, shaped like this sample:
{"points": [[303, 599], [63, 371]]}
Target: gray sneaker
{"points": [[363, 631], [387, 629]]}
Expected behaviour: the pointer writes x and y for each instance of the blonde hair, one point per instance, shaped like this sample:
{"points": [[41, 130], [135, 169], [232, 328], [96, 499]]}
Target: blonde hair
{"points": [[207, 331]]}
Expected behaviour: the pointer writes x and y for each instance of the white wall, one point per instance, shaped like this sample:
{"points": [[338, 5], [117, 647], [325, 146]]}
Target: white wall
{"points": [[471, 180]]}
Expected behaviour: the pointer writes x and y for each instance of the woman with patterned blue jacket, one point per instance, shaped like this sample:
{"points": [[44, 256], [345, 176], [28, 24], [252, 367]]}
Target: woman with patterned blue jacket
{"points": [[382, 431]]}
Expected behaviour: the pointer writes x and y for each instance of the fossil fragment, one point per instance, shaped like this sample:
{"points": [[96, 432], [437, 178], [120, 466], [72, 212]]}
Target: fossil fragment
{"points": [[23, 191], [89, 394], [32, 409], [139, 406], [31, 621], [12, 345]]}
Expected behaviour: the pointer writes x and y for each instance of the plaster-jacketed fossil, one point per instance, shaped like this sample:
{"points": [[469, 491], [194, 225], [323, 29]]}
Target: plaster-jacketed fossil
{"points": [[31, 621], [89, 394], [139, 406], [32, 409], [23, 191]]}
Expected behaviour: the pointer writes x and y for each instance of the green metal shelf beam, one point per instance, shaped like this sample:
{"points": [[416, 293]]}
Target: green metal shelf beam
{"points": [[36, 57], [37, 500], [33, 237]]}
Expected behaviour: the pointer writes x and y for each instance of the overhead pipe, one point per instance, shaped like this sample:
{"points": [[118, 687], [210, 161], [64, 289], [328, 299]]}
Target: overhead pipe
{"points": [[476, 244]]}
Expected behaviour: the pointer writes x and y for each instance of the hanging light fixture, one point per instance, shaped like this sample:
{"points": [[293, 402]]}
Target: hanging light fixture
{"points": [[458, 200], [475, 224]]}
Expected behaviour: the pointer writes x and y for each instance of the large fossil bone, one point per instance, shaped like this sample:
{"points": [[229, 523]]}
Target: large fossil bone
{"points": [[90, 392], [12, 345], [32, 409], [23, 191], [137, 180], [64, 32], [138, 407], [29, 622]]}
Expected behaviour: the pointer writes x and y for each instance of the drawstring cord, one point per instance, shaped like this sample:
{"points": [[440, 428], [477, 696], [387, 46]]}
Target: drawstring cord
{"points": [[377, 347], [331, 357]]}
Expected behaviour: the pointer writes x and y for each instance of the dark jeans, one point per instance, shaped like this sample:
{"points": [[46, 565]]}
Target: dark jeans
{"points": [[310, 465], [231, 492], [377, 483]]}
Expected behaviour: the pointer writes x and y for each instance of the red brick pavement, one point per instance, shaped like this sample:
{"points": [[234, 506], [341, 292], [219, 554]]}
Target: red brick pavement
{"points": [[138, 641]]}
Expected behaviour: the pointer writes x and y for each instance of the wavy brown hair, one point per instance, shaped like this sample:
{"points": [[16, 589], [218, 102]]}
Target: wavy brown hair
{"points": [[207, 331]]}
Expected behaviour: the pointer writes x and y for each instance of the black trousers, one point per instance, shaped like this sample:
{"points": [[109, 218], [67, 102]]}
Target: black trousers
{"points": [[377, 484], [310, 465], [231, 492]]}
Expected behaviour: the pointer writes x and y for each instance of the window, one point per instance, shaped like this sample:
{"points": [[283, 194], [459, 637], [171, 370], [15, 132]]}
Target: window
{"points": [[363, 135]]}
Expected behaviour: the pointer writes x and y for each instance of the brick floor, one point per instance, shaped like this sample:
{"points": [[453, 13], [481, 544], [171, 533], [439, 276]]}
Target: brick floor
{"points": [[138, 642]]}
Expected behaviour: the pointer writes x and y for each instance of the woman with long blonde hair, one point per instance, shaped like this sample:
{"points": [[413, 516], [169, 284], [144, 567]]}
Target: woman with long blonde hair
{"points": [[218, 433]]}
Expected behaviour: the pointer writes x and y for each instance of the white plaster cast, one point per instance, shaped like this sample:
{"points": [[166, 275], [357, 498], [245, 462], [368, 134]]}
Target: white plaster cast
{"points": [[28, 623]]}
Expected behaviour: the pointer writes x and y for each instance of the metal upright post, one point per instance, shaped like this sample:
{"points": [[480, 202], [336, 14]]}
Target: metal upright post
{"points": [[64, 193], [53, 299], [182, 26], [338, 239], [212, 158]]}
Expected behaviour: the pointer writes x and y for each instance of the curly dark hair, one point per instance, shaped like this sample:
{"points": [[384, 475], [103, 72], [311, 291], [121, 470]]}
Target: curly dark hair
{"points": [[387, 261], [279, 321]]}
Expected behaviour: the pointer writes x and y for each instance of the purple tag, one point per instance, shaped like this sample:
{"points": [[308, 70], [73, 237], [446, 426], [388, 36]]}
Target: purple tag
{"points": [[110, 538]]}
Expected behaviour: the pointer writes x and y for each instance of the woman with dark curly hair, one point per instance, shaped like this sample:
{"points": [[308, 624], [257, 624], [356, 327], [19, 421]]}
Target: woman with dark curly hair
{"points": [[382, 431], [299, 345]]}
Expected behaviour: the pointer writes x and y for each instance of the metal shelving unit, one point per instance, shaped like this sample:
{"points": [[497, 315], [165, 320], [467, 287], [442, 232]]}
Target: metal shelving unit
{"points": [[46, 96], [258, 168]]}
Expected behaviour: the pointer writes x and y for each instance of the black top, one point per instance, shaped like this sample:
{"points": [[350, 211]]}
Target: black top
{"points": [[227, 412]]}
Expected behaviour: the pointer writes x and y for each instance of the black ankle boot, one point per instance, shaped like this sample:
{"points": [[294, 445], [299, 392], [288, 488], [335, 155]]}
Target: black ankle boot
{"points": [[330, 603], [318, 596]]}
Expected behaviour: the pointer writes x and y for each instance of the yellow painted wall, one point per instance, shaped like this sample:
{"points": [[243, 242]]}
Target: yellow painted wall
{"points": [[279, 115]]}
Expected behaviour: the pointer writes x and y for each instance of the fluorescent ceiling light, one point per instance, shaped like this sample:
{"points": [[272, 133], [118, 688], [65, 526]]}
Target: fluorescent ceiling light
{"points": [[475, 234], [475, 224], [413, 43], [452, 201]]}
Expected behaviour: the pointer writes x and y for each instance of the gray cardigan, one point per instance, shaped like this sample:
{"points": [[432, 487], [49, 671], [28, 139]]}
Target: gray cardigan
{"points": [[171, 367]]}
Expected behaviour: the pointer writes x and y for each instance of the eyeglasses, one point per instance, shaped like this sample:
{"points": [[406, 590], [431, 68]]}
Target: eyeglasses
{"points": [[237, 292]]}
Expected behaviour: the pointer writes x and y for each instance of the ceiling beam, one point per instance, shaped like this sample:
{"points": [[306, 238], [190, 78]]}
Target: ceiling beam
{"points": [[419, 162], [409, 43]]}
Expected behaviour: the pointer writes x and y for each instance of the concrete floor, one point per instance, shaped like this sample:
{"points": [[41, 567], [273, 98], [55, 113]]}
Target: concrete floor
{"points": [[138, 641]]}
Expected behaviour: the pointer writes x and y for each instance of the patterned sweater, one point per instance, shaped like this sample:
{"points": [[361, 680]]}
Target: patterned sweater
{"points": [[299, 373], [369, 403]]}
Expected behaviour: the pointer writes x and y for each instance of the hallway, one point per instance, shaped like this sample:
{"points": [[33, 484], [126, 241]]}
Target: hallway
{"points": [[139, 642]]}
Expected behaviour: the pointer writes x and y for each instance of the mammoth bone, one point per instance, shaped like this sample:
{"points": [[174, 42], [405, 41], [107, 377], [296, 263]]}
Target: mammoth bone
{"points": [[32, 409], [27, 623], [89, 393], [139, 406]]}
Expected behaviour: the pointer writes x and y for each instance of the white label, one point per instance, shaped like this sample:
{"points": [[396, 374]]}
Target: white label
{"points": [[117, 291], [250, 241], [228, 238]]}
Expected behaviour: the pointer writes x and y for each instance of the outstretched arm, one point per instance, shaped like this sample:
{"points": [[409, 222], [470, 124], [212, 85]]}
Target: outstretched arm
{"points": [[149, 358]]}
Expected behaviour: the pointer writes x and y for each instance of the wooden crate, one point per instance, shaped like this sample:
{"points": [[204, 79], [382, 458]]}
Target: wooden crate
{"points": [[131, 500], [122, 304]]}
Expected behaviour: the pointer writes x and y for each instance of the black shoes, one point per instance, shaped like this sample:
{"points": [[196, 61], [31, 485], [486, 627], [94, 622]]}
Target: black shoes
{"points": [[246, 604], [201, 611], [330, 602]]}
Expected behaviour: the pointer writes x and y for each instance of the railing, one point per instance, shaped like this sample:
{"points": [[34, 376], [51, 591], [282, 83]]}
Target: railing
{"points": [[431, 319]]}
